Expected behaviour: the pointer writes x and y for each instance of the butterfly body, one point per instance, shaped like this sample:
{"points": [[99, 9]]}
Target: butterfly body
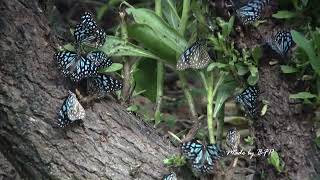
{"points": [[281, 42], [195, 57], [70, 111], [248, 99], [251, 11], [202, 157]]}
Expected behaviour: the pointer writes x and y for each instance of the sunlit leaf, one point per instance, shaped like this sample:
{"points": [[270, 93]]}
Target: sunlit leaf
{"points": [[224, 92], [284, 15], [113, 68], [302, 95], [288, 69]]}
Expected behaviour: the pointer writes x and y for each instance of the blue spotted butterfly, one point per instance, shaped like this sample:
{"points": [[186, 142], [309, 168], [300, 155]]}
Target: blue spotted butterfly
{"points": [[102, 84], [202, 157], [78, 67], [171, 176], [195, 57], [281, 42], [251, 11], [248, 99], [88, 33], [75, 66], [70, 111]]}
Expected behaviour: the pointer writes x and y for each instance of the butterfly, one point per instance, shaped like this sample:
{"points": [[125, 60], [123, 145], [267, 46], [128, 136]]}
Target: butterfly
{"points": [[202, 157], [70, 111], [75, 66], [99, 59], [251, 12], [233, 139], [102, 84], [171, 176], [87, 32], [196, 57], [281, 42], [248, 99]]}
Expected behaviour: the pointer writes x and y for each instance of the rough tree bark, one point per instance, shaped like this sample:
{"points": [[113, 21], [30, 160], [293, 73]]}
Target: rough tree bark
{"points": [[285, 127], [112, 145]]}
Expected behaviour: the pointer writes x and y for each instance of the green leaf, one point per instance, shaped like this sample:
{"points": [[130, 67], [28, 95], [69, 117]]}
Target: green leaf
{"points": [[145, 35], [217, 65], [302, 95], [288, 69], [241, 70], [69, 47], [306, 45], [257, 54], [252, 80], [133, 108], [274, 160], [249, 140], [264, 109], [224, 92], [113, 68], [115, 46], [168, 35], [146, 78], [284, 15], [170, 13]]}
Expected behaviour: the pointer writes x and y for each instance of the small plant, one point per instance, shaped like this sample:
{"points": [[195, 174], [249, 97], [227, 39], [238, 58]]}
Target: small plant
{"points": [[276, 162]]}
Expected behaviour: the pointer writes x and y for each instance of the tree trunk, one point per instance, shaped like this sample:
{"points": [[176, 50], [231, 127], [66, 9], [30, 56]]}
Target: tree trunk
{"points": [[112, 145], [285, 128]]}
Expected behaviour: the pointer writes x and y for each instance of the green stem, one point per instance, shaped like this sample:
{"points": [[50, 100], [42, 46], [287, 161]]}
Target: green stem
{"points": [[211, 93], [188, 96], [160, 75], [127, 66]]}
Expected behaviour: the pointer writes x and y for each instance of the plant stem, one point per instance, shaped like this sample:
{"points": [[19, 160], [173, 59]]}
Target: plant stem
{"points": [[160, 75], [127, 65], [210, 96], [211, 93], [188, 95]]}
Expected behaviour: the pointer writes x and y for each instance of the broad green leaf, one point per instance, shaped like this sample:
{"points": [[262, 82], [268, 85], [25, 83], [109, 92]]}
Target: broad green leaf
{"points": [[253, 70], [236, 120], [115, 46], [170, 13], [113, 68], [241, 70], [302, 95], [284, 15], [252, 80], [145, 35], [146, 78], [217, 65], [249, 140], [306, 45], [168, 35], [224, 92], [257, 54], [288, 69]]}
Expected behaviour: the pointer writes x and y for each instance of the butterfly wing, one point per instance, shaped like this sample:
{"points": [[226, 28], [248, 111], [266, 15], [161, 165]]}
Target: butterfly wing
{"points": [[66, 61], [196, 57], [100, 59], [102, 84], [248, 99], [251, 12], [84, 68], [192, 149], [87, 32], [70, 111], [171, 176], [282, 42]]}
